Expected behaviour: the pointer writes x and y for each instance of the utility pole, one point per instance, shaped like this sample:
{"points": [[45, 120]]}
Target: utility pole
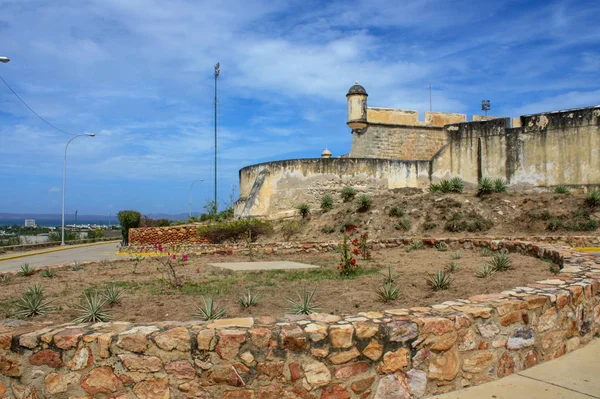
{"points": [[217, 73]]}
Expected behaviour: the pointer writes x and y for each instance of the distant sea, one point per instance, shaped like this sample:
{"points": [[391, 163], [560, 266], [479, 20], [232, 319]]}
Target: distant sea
{"points": [[53, 222]]}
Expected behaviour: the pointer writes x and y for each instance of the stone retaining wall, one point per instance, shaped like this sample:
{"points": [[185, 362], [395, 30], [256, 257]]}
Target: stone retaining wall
{"points": [[399, 353], [164, 235]]}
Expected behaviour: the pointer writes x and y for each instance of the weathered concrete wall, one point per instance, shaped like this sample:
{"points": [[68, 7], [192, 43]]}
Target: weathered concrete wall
{"points": [[396, 353], [284, 184], [398, 142], [548, 149], [393, 116]]}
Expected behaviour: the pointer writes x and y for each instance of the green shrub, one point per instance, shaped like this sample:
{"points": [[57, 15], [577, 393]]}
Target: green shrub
{"points": [[554, 268], [248, 299], [439, 281], [327, 229], [364, 202], [592, 199], [91, 310], [456, 255], [429, 226], [210, 310], [234, 230], [457, 185], [113, 295], [396, 211], [472, 222], [290, 228], [485, 271], [446, 186], [32, 303], [451, 267], [303, 210], [304, 303], [326, 203], [388, 292], [441, 246], [501, 262], [485, 186], [129, 220], [414, 245], [48, 273], [554, 224], [562, 189], [500, 185], [348, 193], [26, 270], [584, 225], [435, 188], [403, 224], [389, 277]]}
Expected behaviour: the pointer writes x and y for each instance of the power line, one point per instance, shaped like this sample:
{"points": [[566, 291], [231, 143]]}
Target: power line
{"points": [[31, 109]]}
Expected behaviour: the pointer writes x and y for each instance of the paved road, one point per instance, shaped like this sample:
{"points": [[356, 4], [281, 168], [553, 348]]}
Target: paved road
{"points": [[82, 254]]}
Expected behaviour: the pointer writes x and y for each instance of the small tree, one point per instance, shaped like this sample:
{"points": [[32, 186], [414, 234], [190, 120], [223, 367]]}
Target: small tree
{"points": [[129, 220]]}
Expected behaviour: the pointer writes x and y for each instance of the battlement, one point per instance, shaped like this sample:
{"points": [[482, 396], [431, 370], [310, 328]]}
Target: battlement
{"points": [[392, 116]]}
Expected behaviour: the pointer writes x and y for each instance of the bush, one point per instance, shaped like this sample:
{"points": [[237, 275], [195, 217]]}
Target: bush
{"points": [[303, 210], [485, 186], [501, 262], [445, 186], [326, 203], [290, 228], [234, 230], [129, 220], [348, 193], [457, 185], [435, 188], [439, 281], [500, 185], [388, 292], [364, 202], [403, 224], [396, 211], [592, 199], [562, 189], [472, 222]]}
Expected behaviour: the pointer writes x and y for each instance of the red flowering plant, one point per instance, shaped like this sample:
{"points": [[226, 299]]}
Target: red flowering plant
{"points": [[348, 265], [169, 259]]}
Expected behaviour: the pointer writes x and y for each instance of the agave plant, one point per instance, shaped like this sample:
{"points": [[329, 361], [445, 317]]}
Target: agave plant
{"points": [[389, 277], [396, 211], [562, 189], [32, 303], [209, 311], [415, 244], [364, 202], [451, 267], [435, 188], [48, 273], [500, 185], [76, 266], [485, 252], [501, 262], [446, 186], [485, 271], [91, 309], [113, 295], [388, 292], [326, 203], [3, 278], [249, 299], [26, 270], [441, 246], [456, 255], [304, 303], [485, 186], [457, 185], [439, 281], [592, 199], [303, 210]]}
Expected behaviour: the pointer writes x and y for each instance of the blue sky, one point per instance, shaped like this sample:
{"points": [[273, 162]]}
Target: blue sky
{"points": [[139, 74]]}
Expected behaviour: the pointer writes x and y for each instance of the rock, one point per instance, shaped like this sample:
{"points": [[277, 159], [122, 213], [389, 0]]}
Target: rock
{"points": [[23, 391], [9, 367], [435, 325], [206, 340], [68, 338], [373, 351], [548, 320], [316, 375], [362, 385], [335, 392], [319, 353], [269, 370], [100, 380], [394, 361], [475, 311], [181, 370], [293, 339], [521, 338], [351, 370], [506, 365], [366, 329], [242, 322], [417, 381], [479, 361], [468, 341], [46, 357], [440, 342], [55, 383], [344, 357], [260, 337], [510, 318], [104, 342], [295, 372], [531, 359], [242, 394], [135, 339], [341, 336], [316, 332], [83, 358], [444, 366], [393, 386], [229, 343], [175, 338], [488, 330], [144, 364], [553, 339], [402, 331], [152, 389], [247, 358]]}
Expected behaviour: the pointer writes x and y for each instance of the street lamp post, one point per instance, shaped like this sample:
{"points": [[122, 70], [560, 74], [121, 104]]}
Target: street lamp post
{"points": [[62, 231], [191, 186]]}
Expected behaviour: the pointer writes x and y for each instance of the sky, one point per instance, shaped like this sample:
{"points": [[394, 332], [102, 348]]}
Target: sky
{"points": [[139, 74]]}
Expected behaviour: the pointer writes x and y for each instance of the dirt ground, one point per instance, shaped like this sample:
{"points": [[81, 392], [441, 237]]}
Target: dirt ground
{"points": [[149, 298], [510, 214]]}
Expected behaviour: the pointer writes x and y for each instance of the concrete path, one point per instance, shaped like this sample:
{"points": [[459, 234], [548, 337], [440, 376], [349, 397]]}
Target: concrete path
{"points": [[251, 266], [575, 375], [68, 255]]}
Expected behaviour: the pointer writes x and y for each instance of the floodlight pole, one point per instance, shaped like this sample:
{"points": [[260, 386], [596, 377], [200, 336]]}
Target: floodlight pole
{"points": [[217, 73]]}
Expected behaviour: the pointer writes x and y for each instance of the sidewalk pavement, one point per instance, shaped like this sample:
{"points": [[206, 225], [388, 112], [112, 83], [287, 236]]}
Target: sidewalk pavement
{"points": [[575, 375], [23, 254]]}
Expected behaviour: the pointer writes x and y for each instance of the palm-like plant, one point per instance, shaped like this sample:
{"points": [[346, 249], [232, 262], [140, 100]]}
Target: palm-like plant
{"points": [[388, 292], [91, 309], [113, 295], [210, 310], [304, 303], [439, 281], [32, 303], [485, 271], [26, 270], [248, 299]]}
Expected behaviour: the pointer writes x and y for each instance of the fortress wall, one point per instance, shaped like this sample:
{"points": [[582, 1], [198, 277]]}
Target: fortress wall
{"points": [[273, 189], [548, 149], [398, 142]]}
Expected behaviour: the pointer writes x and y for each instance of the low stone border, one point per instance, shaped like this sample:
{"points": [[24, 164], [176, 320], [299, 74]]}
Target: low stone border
{"points": [[396, 353]]}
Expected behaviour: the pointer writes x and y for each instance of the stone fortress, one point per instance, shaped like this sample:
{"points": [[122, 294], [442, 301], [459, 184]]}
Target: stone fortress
{"points": [[393, 149]]}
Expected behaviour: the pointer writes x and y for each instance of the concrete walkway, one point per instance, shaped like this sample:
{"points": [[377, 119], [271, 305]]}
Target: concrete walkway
{"points": [[270, 265], [575, 375]]}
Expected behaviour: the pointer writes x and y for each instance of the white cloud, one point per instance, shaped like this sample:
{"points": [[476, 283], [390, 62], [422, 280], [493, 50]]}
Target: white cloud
{"points": [[53, 190]]}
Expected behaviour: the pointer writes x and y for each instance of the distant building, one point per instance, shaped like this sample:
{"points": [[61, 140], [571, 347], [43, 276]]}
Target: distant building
{"points": [[30, 223]]}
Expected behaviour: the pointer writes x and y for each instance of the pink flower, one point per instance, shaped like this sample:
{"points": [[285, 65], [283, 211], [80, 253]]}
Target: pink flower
{"points": [[197, 270], [185, 258], [174, 256]]}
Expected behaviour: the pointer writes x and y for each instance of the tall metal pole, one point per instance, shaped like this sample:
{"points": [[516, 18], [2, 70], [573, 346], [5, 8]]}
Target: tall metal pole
{"points": [[217, 72], [62, 230]]}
